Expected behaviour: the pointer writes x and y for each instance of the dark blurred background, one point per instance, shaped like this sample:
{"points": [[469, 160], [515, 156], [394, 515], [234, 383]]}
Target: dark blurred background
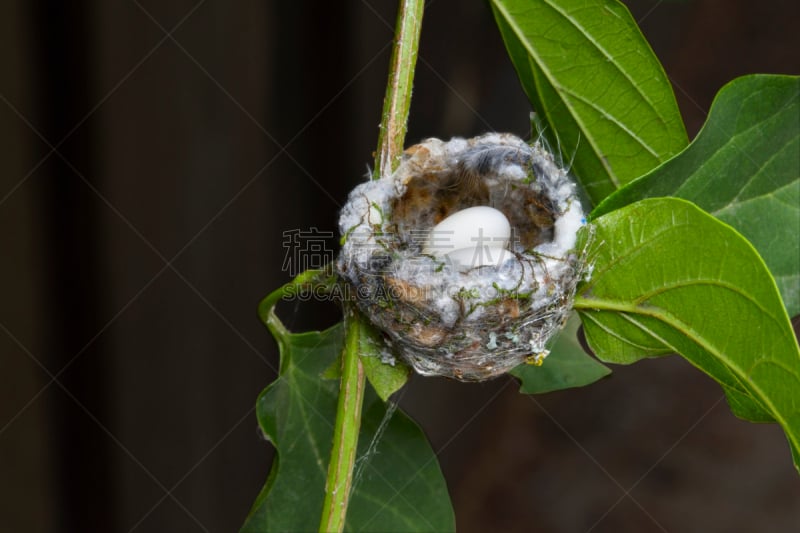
{"points": [[151, 156]]}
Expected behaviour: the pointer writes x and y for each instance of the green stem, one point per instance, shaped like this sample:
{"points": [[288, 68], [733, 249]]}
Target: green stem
{"points": [[345, 432], [394, 119], [394, 122], [309, 279]]}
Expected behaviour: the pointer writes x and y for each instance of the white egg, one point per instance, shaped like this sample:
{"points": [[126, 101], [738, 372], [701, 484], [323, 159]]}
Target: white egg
{"points": [[471, 228]]}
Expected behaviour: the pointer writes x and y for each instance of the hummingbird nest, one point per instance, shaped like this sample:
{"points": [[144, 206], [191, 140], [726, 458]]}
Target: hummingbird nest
{"points": [[443, 315]]}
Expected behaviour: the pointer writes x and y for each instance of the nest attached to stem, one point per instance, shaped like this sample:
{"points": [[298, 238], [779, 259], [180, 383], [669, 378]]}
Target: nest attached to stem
{"points": [[477, 323]]}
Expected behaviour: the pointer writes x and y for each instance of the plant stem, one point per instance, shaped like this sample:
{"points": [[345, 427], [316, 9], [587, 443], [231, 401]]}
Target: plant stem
{"points": [[308, 279], [394, 122], [394, 119], [345, 432]]}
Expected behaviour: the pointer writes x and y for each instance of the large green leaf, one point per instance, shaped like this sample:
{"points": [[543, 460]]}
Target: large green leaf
{"points": [[591, 75], [567, 366], [398, 484], [744, 168], [670, 278], [401, 487]]}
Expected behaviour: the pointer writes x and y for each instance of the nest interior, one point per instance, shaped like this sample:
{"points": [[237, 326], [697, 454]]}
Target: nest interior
{"points": [[434, 195]]}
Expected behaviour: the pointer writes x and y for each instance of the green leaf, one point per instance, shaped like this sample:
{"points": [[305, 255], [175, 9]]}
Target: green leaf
{"points": [[384, 377], [567, 366], [401, 487], [670, 278], [386, 373], [744, 168], [592, 76], [746, 407]]}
